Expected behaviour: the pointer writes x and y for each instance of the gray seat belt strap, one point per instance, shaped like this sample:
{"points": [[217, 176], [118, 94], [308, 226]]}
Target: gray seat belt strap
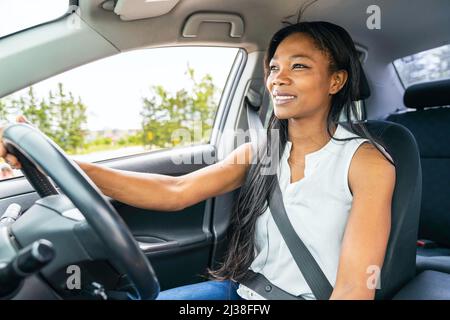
{"points": [[311, 271]]}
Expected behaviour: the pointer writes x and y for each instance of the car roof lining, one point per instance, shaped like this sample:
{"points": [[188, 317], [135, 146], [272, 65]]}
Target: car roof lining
{"points": [[397, 36]]}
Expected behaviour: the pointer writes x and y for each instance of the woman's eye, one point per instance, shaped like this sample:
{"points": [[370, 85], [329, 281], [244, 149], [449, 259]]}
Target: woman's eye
{"points": [[299, 66], [273, 68]]}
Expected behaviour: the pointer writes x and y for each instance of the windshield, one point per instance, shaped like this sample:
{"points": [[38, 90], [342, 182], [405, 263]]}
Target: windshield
{"points": [[16, 15]]}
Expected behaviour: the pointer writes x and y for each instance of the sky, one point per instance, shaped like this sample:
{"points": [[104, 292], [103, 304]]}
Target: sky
{"points": [[112, 88]]}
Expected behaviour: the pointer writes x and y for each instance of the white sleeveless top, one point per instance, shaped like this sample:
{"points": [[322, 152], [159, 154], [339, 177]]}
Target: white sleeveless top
{"points": [[318, 207]]}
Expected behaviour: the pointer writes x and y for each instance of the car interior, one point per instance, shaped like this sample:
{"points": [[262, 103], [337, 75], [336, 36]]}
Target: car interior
{"points": [[118, 246]]}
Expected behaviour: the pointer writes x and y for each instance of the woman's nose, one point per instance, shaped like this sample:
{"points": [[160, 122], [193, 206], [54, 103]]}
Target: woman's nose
{"points": [[280, 78]]}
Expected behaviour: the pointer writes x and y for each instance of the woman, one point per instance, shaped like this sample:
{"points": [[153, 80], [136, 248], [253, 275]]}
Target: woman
{"points": [[337, 184]]}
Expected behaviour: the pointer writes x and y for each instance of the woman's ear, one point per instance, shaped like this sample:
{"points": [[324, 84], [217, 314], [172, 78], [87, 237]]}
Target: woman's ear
{"points": [[338, 80]]}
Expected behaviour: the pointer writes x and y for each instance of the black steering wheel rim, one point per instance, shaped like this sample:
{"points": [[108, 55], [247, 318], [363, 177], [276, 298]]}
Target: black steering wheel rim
{"points": [[40, 157]]}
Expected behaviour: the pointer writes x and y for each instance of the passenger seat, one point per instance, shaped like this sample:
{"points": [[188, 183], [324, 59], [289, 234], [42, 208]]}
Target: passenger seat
{"points": [[430, 125]]}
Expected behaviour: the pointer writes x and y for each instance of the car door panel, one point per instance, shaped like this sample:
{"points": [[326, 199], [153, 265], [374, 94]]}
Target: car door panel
{"points": [[177, 243]]}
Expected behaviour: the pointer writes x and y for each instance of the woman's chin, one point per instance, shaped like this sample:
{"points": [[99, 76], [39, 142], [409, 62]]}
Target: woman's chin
{"points": [[281, 114]]}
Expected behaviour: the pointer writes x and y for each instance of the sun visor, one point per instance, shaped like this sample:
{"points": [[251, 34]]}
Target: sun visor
{"points": [[141, 9]]}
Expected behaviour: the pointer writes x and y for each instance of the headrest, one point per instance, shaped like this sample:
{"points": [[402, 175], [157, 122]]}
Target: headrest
{"points": [[364, 89], [428, 94]]}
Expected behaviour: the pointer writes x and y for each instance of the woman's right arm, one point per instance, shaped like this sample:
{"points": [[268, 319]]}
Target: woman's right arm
{"points": [[168, 193], [163, 192]]}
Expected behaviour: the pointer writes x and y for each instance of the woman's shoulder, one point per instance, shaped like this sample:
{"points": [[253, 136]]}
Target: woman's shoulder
{"points": [[367, 155], [370, 165]]}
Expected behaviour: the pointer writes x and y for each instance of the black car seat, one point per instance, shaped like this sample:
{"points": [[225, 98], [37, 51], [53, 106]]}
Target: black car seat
{"points": [[430, 124], [400, 259]]}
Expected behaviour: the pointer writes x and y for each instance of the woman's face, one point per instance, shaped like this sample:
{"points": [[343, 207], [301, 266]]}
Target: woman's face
{"points": [[300, 80]]}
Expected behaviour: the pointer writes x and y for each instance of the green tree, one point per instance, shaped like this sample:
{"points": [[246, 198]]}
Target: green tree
{"points": [[37, 112], [69, 119], [205, 101], [60, 116], [3, 111], [164, 112]]}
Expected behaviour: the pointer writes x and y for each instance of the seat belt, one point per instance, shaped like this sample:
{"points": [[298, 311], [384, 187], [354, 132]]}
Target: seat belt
{"points": [[311, 271]]}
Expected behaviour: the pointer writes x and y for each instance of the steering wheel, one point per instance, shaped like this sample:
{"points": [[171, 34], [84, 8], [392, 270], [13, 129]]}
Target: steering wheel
{"points": [[40, 157]]}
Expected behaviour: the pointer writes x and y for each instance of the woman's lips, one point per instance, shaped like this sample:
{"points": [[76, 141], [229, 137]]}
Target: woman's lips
{"points": [[283, 99]]}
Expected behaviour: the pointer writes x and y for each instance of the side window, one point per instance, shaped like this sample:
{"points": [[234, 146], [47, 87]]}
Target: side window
{"points": [[127, 104], [425, 66]]}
